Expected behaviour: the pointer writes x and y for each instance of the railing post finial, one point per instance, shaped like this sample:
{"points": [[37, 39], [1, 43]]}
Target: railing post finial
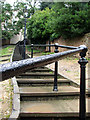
{"points": [[56, 48], [83, 52]]}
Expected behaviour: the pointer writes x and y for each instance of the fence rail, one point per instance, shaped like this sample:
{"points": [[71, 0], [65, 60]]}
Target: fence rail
{"points": [[51, 45]]}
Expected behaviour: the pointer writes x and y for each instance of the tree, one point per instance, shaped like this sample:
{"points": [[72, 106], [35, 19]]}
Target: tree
{"points": [[73, 20], [44, 5], [6, 21], [18, 9], [38, 26]]}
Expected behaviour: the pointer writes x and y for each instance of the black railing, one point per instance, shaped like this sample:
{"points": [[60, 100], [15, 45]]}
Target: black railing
{"points": [[48, 45], [17, 67]]}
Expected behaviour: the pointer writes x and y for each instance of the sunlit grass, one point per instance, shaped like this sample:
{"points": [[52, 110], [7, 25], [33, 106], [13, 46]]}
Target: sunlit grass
{"points": [[5, 51], [47, 53]]}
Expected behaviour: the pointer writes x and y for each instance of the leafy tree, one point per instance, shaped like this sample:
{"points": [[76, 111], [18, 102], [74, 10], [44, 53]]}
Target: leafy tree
{"points": [[6, 21], [68, 20], [38, 26], [44, 5], [12, 18], [19, 9], [73, 20]]}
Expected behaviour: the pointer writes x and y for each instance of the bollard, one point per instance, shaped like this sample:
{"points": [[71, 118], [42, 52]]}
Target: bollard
{"points": [[56, 70], [82, 102]]}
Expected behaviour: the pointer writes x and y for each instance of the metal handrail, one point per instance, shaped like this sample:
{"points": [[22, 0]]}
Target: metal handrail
{"points": [[15, 68], [51, 45]]}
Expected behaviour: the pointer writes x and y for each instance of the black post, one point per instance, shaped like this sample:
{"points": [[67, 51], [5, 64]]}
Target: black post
{"points": [[24, 40], [49, 46], [56, 70], [31, 50], [24, 10], [82, 104]]}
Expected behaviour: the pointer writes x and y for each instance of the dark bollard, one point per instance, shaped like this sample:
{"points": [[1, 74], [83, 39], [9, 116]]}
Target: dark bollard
{"points": [[31, 50], [82, 104], [56, 70]]}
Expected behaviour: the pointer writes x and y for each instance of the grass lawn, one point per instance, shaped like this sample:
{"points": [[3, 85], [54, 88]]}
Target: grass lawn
{"points": [[6, 50]]}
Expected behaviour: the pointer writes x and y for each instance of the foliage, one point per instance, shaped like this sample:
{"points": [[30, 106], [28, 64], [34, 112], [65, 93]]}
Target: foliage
{"points": [[6, 21], [38, 26], [44, 5], [12, 18], [68, 20], [73, 20], [51, 21]]}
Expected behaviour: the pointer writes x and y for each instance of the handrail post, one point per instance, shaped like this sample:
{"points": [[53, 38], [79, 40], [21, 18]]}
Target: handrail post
{"points": [[31, 50], [82, 102], [56, 70], [49, 46]]}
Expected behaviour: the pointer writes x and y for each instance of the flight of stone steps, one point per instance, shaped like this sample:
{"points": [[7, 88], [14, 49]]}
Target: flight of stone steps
{"points": [[38, 101], [6, 57]]}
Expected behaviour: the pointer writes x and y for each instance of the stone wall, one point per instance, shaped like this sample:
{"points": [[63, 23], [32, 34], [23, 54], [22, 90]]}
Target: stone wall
{"points": [[16, 38], [85, 40]]}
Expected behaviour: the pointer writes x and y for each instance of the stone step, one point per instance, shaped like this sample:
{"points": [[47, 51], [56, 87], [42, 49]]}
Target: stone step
{"points": [[51, 108], [42, 82], [8, 55], [4, 59], [47, 91], [54, 116], [38, 75], [40, 70], [31, 72]]}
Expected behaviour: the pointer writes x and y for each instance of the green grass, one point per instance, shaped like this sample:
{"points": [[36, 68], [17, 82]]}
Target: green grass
{"points": [[34, 51], [47, 53], [88, 59], [5, 51], [7, 116], [51, 72], [68, 71]]}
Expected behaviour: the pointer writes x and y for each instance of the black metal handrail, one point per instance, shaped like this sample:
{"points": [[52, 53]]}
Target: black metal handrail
{"points": [[48, 45], [11, 69], [51, 45], [15, 68]]}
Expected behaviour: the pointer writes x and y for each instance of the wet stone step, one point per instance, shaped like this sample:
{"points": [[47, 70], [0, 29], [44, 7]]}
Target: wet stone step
{"points": [[36, 74], [49, 96], [41, 82], [48, 91], [51, 108], [40, 75], [40, 70], [30, 72]]}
